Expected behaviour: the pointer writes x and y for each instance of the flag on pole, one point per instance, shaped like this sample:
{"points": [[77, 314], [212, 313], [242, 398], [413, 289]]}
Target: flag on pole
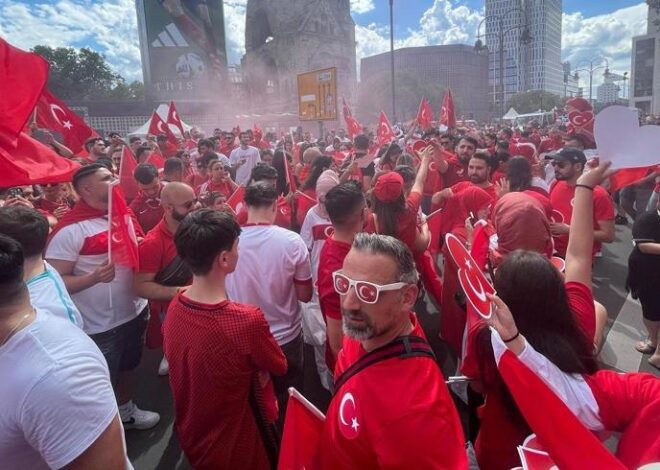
{"points": [[424, 114], [385, 133], [158, 127], [122, 241], [448, 111], [55, 115], [126, 169], [353, 127], [173, 118], [235, 201], [23, 77], [303, 426], [290, 178]]}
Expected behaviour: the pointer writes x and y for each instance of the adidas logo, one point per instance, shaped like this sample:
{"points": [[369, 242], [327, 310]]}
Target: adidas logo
{"points": [[170, 37]]}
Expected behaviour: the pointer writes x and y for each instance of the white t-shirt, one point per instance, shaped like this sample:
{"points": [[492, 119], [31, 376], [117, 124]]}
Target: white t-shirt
{"points": [[251, 156], [314, 231], [86, 244], [48, 293], [270, 260], [57, 398]]}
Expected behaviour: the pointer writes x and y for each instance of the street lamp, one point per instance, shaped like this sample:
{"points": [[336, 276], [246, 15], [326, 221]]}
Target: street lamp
{"points": [[525, 38], [591, 69], [392, 59]]}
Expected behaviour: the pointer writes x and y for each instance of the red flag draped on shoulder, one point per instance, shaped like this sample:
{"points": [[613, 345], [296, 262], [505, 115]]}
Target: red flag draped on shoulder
{"points": [[570, 445], [174, 119], [353, 127], [158, 127], [424, 114], [448, 111], [126, 168], [32, 162], [303, 426], [385, 133], [122, 243], [23, 77], [54, 115]]}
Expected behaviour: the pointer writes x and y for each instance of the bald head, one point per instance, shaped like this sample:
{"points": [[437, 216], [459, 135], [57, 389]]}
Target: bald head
{"points": [[178, 200], [174, 192]]}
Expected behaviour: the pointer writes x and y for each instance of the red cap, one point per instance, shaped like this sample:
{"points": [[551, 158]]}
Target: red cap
{"points": [[389, 187]]}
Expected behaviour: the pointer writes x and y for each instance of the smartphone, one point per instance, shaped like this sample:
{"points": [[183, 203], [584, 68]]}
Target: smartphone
{"points": [[15, 192]]}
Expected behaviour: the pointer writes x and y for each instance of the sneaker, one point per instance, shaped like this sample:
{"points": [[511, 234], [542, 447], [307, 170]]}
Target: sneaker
{"points": [[139, 419], [164, 367], [621, 220]]}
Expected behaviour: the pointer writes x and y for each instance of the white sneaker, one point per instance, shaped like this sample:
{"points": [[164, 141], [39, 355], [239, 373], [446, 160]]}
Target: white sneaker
{"points": [[139, 419], [164, 367]]}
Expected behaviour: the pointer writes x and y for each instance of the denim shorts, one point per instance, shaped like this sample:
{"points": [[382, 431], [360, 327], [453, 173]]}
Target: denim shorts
{"points": [[122, 346]]}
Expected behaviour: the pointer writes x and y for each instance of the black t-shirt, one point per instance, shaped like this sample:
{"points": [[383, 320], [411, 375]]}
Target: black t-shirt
{"points": [[644, 269]]}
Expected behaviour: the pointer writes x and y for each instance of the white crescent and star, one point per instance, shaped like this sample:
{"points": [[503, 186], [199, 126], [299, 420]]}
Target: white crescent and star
{"points": [[159, 126], [354, 424], [362, 294], [61, 120]]}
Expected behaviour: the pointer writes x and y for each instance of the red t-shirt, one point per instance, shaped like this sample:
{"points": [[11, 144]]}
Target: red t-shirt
{"points": [[561, 197], [157, 250], [331, 259], [216, 353], [147, 210], [456, 172], [393, 414], [196, 180]]}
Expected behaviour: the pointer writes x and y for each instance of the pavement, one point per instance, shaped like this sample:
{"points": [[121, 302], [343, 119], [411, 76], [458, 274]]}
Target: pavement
{"points": [[158, 448]]}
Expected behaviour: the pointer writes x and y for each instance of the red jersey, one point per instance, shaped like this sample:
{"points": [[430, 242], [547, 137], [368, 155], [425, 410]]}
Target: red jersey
{"points": [[331, 259], [215, 353], [226, 188], [148, 210], [561, 197], [195, 180], [392, 414], [304, 202]]}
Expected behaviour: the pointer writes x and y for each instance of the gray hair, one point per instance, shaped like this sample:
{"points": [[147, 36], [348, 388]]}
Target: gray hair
{"points": [[393, 248]]}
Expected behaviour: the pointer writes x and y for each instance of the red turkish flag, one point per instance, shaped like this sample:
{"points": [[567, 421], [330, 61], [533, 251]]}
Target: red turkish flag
{"points": [[627, 176], [565, 439], [23, 76], [126, 168], [54, 115], [235, 201], [303, 426], [173, 118], [353, 127], [123, 245], [424, 114], [156, 159], [580, 113], [158, 127], [385, 133], [448, 111], [533, 459], [32, 162]]}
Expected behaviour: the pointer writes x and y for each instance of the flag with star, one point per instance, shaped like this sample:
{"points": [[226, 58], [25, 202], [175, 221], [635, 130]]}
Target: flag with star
{"points": [[54, 115]]}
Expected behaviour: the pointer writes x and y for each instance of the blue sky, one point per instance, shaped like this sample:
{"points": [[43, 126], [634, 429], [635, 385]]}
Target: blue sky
{"points": [[589, 28]]}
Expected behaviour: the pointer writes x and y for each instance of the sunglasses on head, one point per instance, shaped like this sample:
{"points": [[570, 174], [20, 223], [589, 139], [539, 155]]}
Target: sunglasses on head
{"points": [[367, 292]]}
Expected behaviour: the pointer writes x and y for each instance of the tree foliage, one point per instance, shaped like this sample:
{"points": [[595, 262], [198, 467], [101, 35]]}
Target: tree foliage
{"points": [[85, 75], [532, 101]]}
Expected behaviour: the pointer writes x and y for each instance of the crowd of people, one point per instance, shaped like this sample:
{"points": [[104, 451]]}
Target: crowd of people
{"points": [[251, 245]]}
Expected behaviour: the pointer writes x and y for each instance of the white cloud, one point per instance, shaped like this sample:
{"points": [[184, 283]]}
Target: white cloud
{"points": [[362, 6], [235, 29], [606, 36]]}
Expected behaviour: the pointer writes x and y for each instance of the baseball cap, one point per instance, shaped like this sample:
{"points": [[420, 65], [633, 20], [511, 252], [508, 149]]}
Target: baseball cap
{"points": [[570, 154]]}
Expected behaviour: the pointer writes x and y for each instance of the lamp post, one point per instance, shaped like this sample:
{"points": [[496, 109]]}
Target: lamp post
{"points": [[591, 69], [392, 59], [525, 38], [625, 79]]}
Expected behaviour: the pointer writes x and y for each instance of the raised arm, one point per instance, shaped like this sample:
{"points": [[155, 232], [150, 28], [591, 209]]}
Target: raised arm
{"points": [[423, 170]]}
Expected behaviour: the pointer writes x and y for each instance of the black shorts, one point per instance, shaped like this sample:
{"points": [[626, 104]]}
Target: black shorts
{"points": [[650, 300], [122, 346]]}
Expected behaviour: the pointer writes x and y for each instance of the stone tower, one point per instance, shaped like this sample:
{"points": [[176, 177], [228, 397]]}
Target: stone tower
{"points": [[288, 37]]}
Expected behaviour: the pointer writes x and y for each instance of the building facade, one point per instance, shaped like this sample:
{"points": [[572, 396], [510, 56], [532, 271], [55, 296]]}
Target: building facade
{"points": [[608, 92], [458, 67], [531, 34], [644, 81]]}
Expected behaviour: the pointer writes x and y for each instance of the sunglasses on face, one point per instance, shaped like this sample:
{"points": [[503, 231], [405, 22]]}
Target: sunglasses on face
{"points": [[557, 164], [189, 204], [367, 292]]}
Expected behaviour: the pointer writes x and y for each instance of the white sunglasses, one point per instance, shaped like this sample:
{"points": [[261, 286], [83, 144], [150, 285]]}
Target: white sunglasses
{"points": [[367, 292]]}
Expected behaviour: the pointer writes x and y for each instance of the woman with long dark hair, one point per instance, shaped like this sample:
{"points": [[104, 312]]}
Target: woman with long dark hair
{"points": [[555, 315], [280, 161]]}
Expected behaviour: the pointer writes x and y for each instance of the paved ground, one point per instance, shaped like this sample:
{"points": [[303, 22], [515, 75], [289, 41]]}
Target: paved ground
{"points": [[158, 448]]}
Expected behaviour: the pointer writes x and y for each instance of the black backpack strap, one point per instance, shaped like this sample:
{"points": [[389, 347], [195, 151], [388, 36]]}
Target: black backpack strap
{"points": [[404, 347]]}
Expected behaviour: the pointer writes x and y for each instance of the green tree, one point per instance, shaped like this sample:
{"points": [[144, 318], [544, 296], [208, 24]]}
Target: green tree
{"points": [[532, 101], [85, 75]]}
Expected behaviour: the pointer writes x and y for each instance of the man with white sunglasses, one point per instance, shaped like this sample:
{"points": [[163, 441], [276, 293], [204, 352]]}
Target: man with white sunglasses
{"points": [[391, 407]]}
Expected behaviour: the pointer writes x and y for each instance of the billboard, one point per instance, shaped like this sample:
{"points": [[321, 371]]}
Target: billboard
{"points": [[317, 95], [182, 43]]}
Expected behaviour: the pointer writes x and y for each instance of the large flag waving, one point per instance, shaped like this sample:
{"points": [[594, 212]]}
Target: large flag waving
{"points": [[32, 162], [303, 426], [126, 168], [122, 240], [23, 76], [158, 127], [54, 115], [424, 114], [353, 127], [174, 119], [385, 133], [448, 111]]}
